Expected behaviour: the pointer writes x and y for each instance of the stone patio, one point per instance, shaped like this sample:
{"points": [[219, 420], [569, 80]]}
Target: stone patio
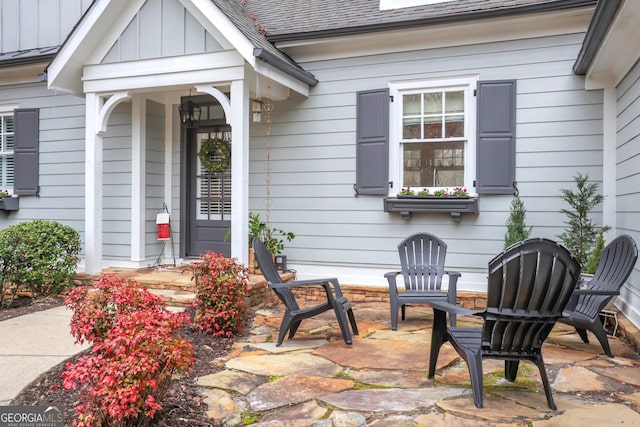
{"points": [[381, 380]]}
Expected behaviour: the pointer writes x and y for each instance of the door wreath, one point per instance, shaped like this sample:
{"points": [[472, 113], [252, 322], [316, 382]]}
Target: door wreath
{"points": [[211, 162]]}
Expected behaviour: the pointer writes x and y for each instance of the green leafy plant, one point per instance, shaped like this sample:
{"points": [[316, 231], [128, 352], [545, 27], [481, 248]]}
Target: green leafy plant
{"points": [[39, 256], [406, 191], [517, 229], [423, 192], [135, 355], [596, 254], [441, 193], [459, 192], [273, 238], [580, 234], [221, 288]]}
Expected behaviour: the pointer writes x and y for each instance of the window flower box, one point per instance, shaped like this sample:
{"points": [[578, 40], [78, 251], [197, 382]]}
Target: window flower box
{"points": [[9, 203], [456, 202]]}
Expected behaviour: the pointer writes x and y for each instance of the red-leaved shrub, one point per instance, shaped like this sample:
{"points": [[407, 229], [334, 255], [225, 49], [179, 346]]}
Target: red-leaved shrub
{"points": [[221, 288], [135, 352]]}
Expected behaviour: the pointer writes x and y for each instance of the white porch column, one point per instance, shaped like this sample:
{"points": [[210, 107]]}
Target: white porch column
{"points": [[138, 177], [93, 186], [240, 170], [609, 147]]}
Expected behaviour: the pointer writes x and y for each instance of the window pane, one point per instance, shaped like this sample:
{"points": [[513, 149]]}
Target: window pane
{"points": [[411, 105], [454, 102], [433, 103], [432, 127], [433, 164], [411, 128], [454, 126]]}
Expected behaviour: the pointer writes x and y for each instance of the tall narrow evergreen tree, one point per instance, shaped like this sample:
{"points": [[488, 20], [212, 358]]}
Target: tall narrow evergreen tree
{"points": [[581, 233], [517, 229]]}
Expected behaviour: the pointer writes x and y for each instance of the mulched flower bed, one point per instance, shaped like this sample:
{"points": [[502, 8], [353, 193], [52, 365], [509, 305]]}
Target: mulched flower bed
{"points": [[181, 406]]}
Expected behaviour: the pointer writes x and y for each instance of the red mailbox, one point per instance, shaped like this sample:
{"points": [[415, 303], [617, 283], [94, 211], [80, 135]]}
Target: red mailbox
{"points": [[164, 227]]}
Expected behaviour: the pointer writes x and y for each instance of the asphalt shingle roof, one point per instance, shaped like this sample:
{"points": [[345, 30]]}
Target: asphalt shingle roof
{"points": [[291, 19]]}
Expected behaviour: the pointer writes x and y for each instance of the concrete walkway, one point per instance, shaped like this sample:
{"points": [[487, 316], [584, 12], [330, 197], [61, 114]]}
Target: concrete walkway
{"points": [[31, 345]]}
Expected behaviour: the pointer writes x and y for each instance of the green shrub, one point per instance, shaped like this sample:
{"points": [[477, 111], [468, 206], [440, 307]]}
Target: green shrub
{"points": [[517, 229], [596, 254], [40, 255], [221, 288]]}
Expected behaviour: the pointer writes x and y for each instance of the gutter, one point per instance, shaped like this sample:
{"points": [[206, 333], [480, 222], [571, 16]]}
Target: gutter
{"points": [[603, 16], [405, 24], [284, 66]]}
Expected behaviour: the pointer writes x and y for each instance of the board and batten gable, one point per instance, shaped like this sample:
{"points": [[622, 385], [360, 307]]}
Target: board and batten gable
{"points": [[179, 34], [313, 154], [31, 24], [628, 180]]}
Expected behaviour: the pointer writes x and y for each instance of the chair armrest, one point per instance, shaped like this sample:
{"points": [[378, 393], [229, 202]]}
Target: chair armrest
{"points": [[595, 292], [452, 308], [324, 282], [391, 278], [453, 284]]}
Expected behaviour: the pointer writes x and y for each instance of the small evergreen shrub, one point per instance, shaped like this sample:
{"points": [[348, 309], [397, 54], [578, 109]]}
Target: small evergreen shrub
{"points": [[517, 229], [41, 256], [135, 353], [221, 288], [580, 234], [596, 254]]}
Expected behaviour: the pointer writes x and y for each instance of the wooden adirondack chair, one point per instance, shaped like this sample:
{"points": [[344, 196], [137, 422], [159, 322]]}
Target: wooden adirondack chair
{"points": [[422, 257], [529, 286], [583, 311], [294, 314]]}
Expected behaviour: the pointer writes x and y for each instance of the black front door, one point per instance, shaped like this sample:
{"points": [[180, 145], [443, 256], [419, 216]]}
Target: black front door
{"points": [[208, 196]]}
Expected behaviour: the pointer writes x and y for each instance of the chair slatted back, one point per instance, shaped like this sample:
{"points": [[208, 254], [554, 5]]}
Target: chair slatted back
{"points": [[422, 257], [270, 272], [529, 285], [616, 264]]}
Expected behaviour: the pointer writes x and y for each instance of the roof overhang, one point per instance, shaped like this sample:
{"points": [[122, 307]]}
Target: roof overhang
{"points": [[610, 48]]}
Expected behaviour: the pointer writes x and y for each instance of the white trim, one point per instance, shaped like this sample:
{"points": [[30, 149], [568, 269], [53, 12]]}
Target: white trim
{"points": [[138, 176], [240, 170], [102, 119], [399, 4], [93, 187], [609, 166], [372, 276], [8, 108], [168, 177], [219, 96], [397, 89]]}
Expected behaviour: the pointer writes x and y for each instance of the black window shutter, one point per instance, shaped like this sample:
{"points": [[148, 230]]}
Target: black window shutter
{"points": [[26, 147], [496, 139], [372, 142]]}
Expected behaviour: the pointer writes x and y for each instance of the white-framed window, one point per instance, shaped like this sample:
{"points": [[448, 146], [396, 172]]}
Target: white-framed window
{"points": [[7, 139], [432, 134]]}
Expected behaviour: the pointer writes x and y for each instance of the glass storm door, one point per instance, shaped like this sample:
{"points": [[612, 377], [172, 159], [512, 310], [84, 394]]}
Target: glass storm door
{"points": [[209, 196]]}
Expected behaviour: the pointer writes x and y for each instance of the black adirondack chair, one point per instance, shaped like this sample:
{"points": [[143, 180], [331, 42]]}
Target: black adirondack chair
{"points": [[583, 311], [529, 285], [294, 314], [422, 257]]}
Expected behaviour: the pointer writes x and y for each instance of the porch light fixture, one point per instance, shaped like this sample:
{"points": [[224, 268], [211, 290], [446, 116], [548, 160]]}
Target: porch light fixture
{"points": [[189, 113], [256, 110]]}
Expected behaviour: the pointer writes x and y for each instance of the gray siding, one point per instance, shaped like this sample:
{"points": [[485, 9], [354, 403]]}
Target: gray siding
{"points": [[628, 176], [179, 34], [154, 190], [61, 156], [29, 24], [312, 149], [116, 221]]}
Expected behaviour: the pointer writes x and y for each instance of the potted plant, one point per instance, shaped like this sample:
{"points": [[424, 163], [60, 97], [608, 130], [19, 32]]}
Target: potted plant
{"points": [[273, 238], [7, 202]]}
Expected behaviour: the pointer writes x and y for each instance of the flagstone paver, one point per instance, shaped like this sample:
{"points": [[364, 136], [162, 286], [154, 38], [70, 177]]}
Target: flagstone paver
{"points": [[294, 389], [449, 420], [391, 378], [285, 364], [627, 375], [495, 409], [240, 382], [391, 400], [594, 415], [288, 346], [577, 378], [309, 410]]}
